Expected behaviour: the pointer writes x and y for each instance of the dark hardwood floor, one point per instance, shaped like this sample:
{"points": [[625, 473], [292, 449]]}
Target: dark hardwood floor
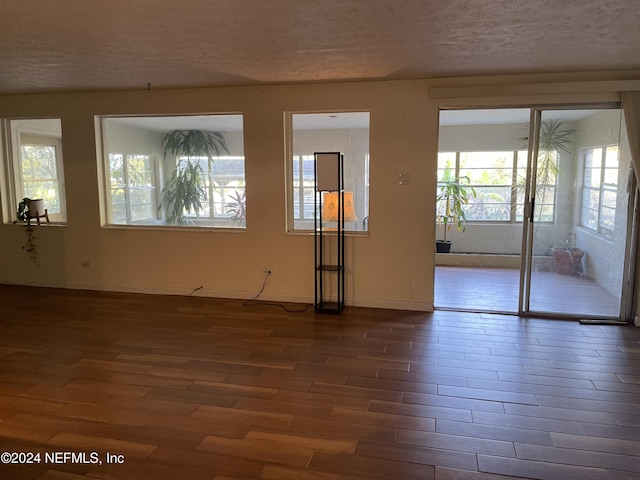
{"points": [[195, 388]]}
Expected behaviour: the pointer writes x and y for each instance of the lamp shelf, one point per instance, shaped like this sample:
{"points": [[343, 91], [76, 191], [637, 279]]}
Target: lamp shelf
{"points": [[334, 206], [329, 307], [329, 268]]}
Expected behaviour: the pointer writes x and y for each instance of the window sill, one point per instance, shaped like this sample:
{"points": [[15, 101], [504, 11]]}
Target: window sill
{"points": [[347, 233], [174, 228], [35, 224], [594, 234]]}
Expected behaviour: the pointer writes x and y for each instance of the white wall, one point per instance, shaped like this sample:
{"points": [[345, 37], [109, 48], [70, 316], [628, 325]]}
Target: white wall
{"points": [[230, 263], [392, 266], [127, 139], [604, 256]]}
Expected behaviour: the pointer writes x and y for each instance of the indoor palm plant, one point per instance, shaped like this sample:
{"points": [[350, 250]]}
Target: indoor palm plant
{"points": [[184, 191], [237, 207], [450, 202], [554, 139]]}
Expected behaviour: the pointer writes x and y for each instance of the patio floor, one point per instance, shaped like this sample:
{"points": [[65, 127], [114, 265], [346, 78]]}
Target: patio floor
{"points": [[496, 290]]}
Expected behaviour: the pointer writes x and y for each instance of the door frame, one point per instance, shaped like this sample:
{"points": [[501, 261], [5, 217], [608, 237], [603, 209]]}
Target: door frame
{"points": [[633, 217]]}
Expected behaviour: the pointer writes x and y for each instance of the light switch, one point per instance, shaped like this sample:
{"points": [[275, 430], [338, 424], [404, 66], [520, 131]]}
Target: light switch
{"points": [[404, 178]]}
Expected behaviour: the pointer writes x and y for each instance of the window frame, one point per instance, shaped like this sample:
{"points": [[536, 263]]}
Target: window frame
{"points": [[603, 187], [305, 225], [516, 209], [222, 192], [165, 164], [13, 174], [127, 190], [299, 190]]}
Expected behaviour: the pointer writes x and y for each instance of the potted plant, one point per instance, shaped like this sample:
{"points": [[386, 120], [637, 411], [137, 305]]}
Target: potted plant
{"points": [[566, 260], [27, 209], [238, 208], [554, 139], [184, 191], [450, 202]]}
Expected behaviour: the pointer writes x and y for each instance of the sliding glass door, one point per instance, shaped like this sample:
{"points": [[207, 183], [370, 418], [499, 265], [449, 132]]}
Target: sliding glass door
{"points": [[577, 229], [547, 218], [484, 151]]}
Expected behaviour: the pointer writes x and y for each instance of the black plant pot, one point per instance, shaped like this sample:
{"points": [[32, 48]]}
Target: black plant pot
{"points": [[442, 246]]}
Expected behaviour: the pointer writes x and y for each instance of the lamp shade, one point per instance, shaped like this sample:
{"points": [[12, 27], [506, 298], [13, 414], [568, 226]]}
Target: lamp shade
{"points": [[330, 207]]}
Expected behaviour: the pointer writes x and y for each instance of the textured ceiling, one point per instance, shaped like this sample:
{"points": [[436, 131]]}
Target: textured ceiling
{"points": [[49, 45]]}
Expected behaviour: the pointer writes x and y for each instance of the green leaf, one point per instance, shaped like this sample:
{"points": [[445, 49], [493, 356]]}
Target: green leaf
{"points": [[184, 191]]}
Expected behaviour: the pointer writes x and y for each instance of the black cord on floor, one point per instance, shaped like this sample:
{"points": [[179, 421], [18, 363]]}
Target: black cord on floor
{"points": [[196, 289], [254, 300]]}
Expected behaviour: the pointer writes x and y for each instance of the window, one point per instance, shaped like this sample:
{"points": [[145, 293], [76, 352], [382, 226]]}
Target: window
{"points": [[599, 189], [224, 187], [346, 132], [181, 171], [303, 188], [498, 180], [35, 170], [134, 196]]}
